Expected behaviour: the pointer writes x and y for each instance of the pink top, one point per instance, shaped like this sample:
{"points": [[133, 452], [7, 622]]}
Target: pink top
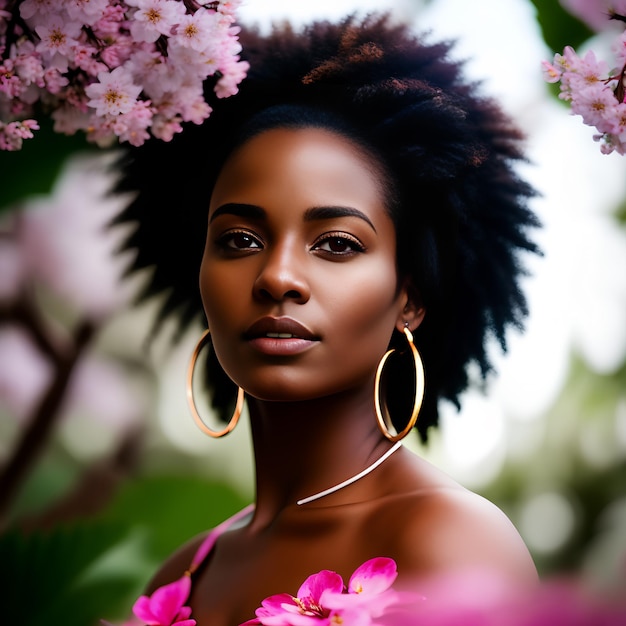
{"points": [[367, 595], [166, 606], [207, 545]]}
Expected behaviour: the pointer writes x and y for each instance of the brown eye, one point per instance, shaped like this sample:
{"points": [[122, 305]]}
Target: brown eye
{"points": [[239, 241], [339, 245]]}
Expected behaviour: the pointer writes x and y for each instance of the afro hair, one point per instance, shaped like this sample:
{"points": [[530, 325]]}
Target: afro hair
{"points": [[461, 210]]}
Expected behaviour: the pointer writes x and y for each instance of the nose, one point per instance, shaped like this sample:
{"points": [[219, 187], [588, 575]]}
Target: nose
{"points": [[282, 274]]}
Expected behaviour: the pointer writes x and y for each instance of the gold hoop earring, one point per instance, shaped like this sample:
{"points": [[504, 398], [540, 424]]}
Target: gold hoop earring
{"points": [[383, 420], [192, 404]]}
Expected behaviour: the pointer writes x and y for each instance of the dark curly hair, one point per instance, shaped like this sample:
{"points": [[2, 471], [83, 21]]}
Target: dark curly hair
{"points": [[460, 209]]}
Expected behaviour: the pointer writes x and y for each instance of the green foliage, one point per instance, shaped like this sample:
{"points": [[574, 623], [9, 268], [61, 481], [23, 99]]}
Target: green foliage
{"points": [[44, 578], [80, 573], [172, 509], [621, 213], [34, 169], [559, 27], [53, 477]]}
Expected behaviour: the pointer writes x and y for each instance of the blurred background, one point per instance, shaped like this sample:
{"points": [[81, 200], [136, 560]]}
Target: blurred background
{"points": [[102, 470]]}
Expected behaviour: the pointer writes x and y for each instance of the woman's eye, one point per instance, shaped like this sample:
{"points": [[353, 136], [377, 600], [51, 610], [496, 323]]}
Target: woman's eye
{"points": [[339, 244], [239, 241]]}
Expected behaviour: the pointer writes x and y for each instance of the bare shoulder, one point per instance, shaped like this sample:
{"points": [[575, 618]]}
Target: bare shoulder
{"points": [[447, 529], [467, 529], [176, 564]]}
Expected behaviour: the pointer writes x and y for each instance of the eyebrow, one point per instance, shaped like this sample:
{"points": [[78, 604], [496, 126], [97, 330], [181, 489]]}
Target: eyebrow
{"points": [[310, 215], [330, 212], [239, 209]]}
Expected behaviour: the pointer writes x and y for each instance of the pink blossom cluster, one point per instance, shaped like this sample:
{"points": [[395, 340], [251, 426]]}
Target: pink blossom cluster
{"points": [[594, 90], [114, 69], [472, 598], [58, 270], [323, 599]]}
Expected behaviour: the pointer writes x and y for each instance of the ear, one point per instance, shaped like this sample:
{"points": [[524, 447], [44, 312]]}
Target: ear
{"points": [[413, 311]]}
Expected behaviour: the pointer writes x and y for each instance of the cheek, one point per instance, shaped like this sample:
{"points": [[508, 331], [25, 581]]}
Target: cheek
{"points": [[363, 308], [220, 297], [360, 330], [217, 290]]}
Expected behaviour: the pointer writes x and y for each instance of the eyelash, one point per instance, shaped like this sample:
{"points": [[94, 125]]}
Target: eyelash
{"points": [[226, 241], [353, 242]]}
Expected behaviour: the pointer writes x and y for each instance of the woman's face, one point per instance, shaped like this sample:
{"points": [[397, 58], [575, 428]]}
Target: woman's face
{"points": [[298, 278]]}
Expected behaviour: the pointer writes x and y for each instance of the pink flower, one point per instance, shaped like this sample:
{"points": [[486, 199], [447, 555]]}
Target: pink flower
{"points": [[374, 576], [87, 12], [154, 18], [57, 36], [304, 608], [369, 588], [114, 68], [115, 92], [595, 92], [12, 134], [165, 607], [323, 598]]}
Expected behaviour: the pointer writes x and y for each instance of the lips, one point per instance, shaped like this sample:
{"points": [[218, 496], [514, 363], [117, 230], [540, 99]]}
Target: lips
{"points": [[279, 328], [280, 337]]}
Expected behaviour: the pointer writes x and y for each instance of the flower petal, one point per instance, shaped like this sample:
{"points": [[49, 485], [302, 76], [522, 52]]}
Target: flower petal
{"points": [[374, 576], [182, 618], [274, 604], [141, 609], [164, 606], [288, 618], [316, 584], [275, 610]]}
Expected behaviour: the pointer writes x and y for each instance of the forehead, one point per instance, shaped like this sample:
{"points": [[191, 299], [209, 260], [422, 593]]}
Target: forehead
{"points": [[316, 160]]}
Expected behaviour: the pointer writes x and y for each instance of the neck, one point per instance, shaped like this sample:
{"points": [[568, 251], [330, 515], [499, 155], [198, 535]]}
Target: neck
{"points": [[352, 479], [317, 425], [303, 448]]}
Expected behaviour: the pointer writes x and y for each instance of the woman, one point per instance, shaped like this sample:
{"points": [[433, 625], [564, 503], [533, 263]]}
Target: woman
{"points": [[356, 196]]}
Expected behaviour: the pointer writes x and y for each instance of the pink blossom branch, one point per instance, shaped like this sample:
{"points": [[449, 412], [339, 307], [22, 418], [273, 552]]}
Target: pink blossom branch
{"points": [[37, 432], [24, 313], [122, 71]]}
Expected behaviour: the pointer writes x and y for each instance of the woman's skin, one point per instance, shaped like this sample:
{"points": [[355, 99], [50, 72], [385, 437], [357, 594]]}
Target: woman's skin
{"points": [[300, 242]]}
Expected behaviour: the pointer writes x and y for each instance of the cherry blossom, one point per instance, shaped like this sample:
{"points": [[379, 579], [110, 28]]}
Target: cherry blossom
{"points": [[154, 18], [594, 90], [114, 93], [58, 37], [12, 134], [114, 69]]}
